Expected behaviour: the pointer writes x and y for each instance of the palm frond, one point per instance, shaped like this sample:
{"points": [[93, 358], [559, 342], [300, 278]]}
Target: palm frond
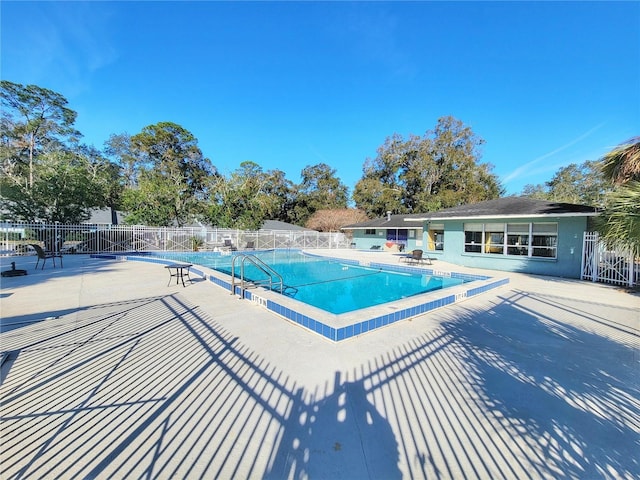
{"points": [[619, 222], [622, 164]]}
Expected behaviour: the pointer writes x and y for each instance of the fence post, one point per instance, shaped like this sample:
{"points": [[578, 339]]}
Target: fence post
{"points": [[56, 244], [584, 255], [595, 263]]}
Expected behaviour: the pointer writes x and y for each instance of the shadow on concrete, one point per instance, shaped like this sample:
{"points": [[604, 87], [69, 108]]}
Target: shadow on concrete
{"points": [[568, 398], [73, 265], [156, 388]]}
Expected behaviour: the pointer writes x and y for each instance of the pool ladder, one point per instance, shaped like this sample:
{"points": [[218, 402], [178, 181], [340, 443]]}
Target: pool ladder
{"points": [[273, 277]]}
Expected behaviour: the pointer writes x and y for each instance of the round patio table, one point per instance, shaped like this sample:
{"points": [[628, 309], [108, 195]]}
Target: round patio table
{"points": [[178, 270]]}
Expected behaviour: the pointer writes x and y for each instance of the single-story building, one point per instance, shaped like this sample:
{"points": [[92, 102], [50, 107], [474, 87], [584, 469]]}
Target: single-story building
{"points": [[517, 234], [388, 233]]}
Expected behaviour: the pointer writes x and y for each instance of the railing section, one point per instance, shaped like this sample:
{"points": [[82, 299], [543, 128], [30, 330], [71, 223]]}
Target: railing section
{"points": [[95, 238], [608, 266]]}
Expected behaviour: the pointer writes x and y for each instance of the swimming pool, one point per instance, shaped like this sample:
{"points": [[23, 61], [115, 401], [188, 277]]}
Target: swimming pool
{"points": [[329, 284], [334, 327]]}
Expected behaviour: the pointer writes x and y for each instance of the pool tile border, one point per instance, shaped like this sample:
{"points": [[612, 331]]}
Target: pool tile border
{"points": [[478, 284]]}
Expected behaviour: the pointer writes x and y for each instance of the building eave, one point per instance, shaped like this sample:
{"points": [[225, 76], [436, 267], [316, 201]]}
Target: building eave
{"points": [[496, 217]]}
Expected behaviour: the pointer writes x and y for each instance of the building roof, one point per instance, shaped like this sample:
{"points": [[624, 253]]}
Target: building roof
{"points": [[278, 225], [390, 221], [506, 207], [103, 216]]}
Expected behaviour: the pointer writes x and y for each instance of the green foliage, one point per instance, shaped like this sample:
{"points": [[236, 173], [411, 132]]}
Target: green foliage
{"points": [[172, 179], [118, 148], [47, 175], [538, 191], [152, 202], [35, 120], [248, 197], [575, 183], [196, 243], [64, 188], [619, 222], [319, 189], [622, 164], [421, 174], [375, 198]]}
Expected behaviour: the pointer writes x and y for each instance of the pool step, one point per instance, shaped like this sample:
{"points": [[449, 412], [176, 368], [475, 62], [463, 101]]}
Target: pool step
{"points": [[289, 291]]}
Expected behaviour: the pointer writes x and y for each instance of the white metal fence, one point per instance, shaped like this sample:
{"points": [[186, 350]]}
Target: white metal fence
{"points": [[16, 237], [602, 265]]}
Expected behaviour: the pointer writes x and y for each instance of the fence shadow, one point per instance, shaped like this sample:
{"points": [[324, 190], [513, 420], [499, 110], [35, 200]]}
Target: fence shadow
{"points": [[157, 388], [569, 398]]}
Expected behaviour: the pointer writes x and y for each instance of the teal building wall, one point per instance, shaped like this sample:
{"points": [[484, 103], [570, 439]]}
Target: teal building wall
{"points": [[362, 241], [569, 248]]}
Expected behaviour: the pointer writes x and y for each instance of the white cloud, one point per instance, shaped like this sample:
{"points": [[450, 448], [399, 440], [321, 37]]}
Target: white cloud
{"points": [[533, 167], [64, 45]]}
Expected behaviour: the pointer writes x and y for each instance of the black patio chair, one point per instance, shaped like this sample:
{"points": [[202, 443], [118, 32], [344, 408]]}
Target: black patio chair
{"points": [[43, 255]]}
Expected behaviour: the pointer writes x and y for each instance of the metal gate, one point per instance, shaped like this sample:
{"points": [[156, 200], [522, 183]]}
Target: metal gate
{"points": [[608, 266]]}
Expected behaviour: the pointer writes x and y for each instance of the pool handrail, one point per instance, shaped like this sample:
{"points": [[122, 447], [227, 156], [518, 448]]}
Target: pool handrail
{"points": [[258, 263]]}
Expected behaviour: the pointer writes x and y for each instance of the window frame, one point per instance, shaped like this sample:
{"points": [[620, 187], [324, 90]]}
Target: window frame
{"points": [[435, 237], [536, 240]]}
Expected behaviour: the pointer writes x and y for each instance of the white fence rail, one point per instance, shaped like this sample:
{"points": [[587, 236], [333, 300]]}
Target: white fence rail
{"points": [[602, 265], [16, 237]]}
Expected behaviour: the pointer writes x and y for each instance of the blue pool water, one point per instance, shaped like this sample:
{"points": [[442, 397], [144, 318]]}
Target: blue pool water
{"points": [[332, 285]]}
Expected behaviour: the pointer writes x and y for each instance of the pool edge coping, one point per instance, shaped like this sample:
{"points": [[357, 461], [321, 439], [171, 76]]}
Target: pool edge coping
{"points": [[289, 308]]}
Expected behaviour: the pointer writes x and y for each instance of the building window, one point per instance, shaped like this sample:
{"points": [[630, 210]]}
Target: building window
{"points": [[494, 238], [545, 240], [473, 237], [435, 236], [518, 239], [370, 231], [513, 239]]}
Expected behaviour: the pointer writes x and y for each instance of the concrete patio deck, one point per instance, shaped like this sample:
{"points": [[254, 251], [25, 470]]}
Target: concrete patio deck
{"points": [[110, 373]]}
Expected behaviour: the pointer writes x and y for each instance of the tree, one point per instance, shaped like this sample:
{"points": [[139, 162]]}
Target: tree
{"points": [[622, 164], [619, 222], [421, 174], [319, 189], [247, 197], [65, 186], [580, 184], [332, 220], [279, 198], [538, 191], [46, 174], [375, 198], [118, 148], [34, 120], [173, 177]]}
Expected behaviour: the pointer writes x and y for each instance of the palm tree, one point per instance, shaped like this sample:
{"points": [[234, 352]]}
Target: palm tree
{"points": [[622, 164], [619, 222]]}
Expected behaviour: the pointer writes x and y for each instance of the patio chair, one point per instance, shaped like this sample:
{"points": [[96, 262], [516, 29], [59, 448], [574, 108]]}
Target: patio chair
{"points": [[416, 256], [229, 245], [43, 255], [428, 258], [250, 246]]}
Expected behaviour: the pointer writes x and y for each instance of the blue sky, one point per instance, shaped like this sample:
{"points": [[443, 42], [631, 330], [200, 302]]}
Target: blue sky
{"points": [[291, 84]]}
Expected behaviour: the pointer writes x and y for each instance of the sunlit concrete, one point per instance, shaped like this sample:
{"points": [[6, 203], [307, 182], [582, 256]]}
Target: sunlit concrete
{"points": [[110, 373]]}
